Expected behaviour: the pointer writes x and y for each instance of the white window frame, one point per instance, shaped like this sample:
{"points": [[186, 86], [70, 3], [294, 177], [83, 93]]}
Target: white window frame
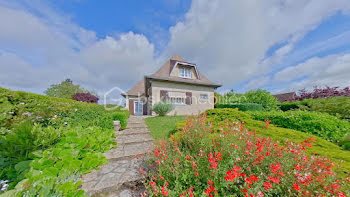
{"points": [[138, 105], [185, 72], [203, 99], [177, 100]]}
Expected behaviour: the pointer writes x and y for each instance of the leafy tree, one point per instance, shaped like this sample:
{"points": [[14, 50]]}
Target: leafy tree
{"points": [[323, 92], [85, 97], [66, 89], [262, 97]]}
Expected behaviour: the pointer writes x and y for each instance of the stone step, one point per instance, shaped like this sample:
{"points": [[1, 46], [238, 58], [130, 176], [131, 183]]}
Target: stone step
{"points": [[127, 151], [136, 138], [132, 131], [136, 125], [112, 176]]}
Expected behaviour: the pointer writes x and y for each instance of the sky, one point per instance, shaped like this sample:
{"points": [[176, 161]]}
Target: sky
{"points": [[277, 45]]}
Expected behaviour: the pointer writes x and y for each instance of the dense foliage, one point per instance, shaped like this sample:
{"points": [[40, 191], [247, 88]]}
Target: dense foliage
{"points": [[162, 108], [323, 125], [242, 106], [336, 106], [85, 97], [65, 89], [321, 147], [323, 93], [261, 97], [230, 160], [46, 143]]}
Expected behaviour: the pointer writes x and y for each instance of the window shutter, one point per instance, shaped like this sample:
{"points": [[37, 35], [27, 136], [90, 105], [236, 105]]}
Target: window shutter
{"points": [[188, 98], [131, 107], [144, 108], [163, 95]]}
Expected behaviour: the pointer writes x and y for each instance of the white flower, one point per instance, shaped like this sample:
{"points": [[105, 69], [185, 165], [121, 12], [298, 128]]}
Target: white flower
{"points": [[22, 103], [11, 112], [75, 109]]}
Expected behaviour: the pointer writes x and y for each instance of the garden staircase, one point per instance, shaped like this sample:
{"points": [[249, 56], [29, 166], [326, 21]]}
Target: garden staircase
{"points": [[121, 176]]}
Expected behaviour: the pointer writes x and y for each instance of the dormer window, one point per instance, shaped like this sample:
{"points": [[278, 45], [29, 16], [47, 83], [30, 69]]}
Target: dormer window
{"points": [[185, 72]]}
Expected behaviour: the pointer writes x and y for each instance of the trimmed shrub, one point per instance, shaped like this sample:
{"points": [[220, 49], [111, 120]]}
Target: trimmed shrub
{"points": [[323, 125], [286, 106], [236, 162], [242, 106], [162, 108], [85, 97]]}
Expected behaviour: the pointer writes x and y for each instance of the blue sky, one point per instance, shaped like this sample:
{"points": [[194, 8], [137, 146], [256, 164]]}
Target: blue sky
{"points": [[276, 45], [152, 18]]}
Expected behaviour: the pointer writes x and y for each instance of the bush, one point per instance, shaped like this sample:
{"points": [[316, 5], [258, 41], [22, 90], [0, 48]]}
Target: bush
{"points": [[47, 143], [235, 162], [287, 106], [162, 108], [220, 117], [336, 106], [262, 97], [323, 125], [85, 97], [345, 142], [242, 106]]}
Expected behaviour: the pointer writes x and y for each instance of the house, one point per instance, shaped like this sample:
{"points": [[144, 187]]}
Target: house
{"points": [[290, 96], [178, 82]]}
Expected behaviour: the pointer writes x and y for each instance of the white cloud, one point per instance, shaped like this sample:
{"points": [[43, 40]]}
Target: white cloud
{"points": [[229, 39], [42, 51], [333, 70]]}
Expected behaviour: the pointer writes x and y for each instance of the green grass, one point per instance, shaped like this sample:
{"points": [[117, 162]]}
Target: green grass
{"points": [[162, 126]]}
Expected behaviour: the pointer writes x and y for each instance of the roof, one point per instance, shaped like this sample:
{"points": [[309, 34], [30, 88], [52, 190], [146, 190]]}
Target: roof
{"points": [[290, 96], [138, 89], [163, 74]]}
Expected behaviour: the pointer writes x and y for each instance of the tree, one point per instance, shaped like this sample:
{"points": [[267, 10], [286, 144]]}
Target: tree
{"points": [[262, 97], [66, 89], [85, 97]]}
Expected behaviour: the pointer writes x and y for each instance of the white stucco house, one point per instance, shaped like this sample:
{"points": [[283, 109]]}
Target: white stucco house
{"points": [[178, 82]]}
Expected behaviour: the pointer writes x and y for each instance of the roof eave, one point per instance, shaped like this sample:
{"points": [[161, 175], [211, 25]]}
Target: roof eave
{"points": [[185, 82]]}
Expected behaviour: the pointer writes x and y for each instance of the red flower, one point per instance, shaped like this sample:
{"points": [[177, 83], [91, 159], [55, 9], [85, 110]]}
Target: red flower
{"points": [[296, 187], [254, 178], [274, 179], [267, 186]]}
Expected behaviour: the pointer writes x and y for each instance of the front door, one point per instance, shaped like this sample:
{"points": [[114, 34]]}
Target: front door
{"points": [[138, 108]]}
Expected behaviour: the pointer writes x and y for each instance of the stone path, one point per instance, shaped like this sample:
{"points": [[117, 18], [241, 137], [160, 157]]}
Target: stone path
{"points": [[121, 176]]}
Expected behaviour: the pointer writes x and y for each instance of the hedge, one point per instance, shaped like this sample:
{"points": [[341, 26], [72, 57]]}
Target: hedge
{"points": [[323, 125], [242, 106]]}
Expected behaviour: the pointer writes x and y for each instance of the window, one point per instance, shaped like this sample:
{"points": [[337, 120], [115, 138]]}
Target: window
{"points": [[174, 100], [185, 72], [177, 97], [203, 97]]}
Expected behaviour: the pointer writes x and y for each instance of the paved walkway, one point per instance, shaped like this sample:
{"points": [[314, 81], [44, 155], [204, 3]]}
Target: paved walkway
{"points": [[120, 177]]}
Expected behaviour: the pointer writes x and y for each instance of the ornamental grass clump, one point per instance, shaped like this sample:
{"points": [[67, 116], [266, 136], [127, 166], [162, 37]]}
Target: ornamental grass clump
{"points": [[231, 160], [162, 108]]}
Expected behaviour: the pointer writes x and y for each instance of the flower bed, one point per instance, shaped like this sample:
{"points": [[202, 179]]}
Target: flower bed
{"points": [[232, 161]]}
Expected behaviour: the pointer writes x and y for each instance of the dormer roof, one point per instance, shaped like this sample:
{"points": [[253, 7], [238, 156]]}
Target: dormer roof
{"points": [[164, 74]]}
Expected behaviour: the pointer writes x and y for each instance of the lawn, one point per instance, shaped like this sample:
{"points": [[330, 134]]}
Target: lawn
{"points": [[161, 126]]}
